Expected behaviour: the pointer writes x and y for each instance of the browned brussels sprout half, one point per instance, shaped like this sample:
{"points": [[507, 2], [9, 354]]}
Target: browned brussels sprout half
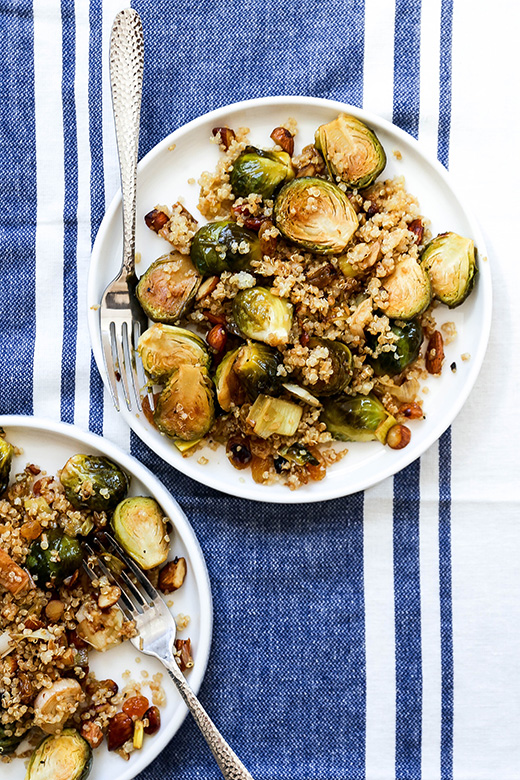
{"points": [[65, 756], [167, 288], [93, 482], [6, 458], [316, 215], [409, 290], [53, 557], [340, 357], [450, 261], [260, 315], [224, 246], [404, 349], [185, 408], [256, 366], [259, 171], [140, 528], [357, 418], [351, 150], [163, 348], [227, 385]]}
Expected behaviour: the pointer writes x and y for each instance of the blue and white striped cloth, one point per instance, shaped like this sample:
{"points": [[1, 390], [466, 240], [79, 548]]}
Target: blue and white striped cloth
{"points": [[375, 636]]}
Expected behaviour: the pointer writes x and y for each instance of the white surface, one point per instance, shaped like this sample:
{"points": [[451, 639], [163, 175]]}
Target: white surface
{"points": [[163, 178], [49, 444]]}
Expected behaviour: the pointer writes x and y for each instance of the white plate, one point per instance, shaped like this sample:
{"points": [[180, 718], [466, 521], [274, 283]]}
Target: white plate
{"points": [[49, 444], [163, 178]]}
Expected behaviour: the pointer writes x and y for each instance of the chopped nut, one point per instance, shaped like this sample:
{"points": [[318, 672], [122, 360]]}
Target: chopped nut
{"points": [[207, 287], [398, 437], [416, 226], [12, 577], [217, 338], [284, 139], [435, 353], [267, 242], [109, 596], [92, 733], [412, 411], [120, 729], [172, 575], [184, 658], [156, 220], [226, 136], [152, 720]]}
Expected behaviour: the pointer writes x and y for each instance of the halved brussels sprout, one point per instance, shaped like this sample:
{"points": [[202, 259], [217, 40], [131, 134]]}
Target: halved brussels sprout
{"points": [[140, 528], [163, 348], [407, 343], [6, 458], [256, 170], [93, 482], [341, 360], [53, 557], [8, 741], [185, 407], [352, 151], [263, 316], [316, 215], [273, 415], [409, 290], [228, 388], [450, 261], [299, 454], [167, 288], [65, 756], [356, 418], [224, 246], [256, 366]]}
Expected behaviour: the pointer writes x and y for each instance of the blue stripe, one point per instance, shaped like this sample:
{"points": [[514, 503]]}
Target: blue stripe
{"points": [[446, 606], [97, 179], [407, 599], [70, 211], [443, 151], [407, 65], [17, 207]]}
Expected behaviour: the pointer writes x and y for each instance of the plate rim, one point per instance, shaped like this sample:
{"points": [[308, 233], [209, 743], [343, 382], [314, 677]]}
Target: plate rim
{"points": [[406, 456], [145, 476]]}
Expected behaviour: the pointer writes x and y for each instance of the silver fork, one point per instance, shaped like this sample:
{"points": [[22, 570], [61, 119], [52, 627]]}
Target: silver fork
{"points": [[121, 318], [140, 602]]}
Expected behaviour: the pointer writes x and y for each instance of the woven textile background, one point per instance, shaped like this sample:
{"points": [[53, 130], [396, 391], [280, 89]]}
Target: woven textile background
{"points": [[375, 636]]}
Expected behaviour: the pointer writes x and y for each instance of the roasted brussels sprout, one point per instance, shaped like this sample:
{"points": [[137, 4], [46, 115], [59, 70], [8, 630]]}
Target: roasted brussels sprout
{"points": [[407, 345], [8, 742], [65, 756], [316, 215], [53, 557], [409, 290], [163, 348], [263, 316], [356, 418], [450, 261], [256, 366], [351, 150], [256, 170], [228, 388], [273, 415], [140, 528], [167, 288], [6, 458], [185, 407], [224, 246], [341, 359], [93, 482]]}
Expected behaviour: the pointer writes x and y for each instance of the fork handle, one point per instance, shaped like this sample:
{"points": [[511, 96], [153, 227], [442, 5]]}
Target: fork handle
{"points": [[229, 763], [126, 79]]}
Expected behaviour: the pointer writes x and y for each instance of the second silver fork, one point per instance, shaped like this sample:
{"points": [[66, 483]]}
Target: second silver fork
{"points": [[156, 629]]}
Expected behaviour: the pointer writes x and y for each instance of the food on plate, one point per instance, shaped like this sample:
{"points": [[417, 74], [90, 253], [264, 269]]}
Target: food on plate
{"points": [[168, 287], [53, 616], [313, 321]]}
